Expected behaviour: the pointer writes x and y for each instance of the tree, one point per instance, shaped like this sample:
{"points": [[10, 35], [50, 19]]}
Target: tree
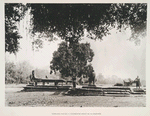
{"points": [[14, 12], [71, 60], [89, 72], [69, 21], [133, 16], [9, 72], [17, 73]]}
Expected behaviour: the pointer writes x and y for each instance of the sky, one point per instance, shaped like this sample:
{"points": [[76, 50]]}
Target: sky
{"points": [[114, 55]]}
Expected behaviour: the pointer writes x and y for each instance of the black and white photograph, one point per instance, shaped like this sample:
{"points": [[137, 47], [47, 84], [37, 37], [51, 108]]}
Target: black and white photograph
{"points": [[75, 55]]}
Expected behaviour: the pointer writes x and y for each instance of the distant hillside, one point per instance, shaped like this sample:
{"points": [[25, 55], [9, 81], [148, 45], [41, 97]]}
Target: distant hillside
{"points": [[113, 80], [109, 80]]}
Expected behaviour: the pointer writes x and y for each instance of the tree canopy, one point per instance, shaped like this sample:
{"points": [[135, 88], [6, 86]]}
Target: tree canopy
{"points": [[17, 73], [14, 12], [89, 72], [69, 21], [72, 60]]}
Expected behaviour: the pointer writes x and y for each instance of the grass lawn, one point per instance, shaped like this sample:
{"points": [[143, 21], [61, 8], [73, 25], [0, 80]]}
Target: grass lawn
{"points": [[15, 98]]}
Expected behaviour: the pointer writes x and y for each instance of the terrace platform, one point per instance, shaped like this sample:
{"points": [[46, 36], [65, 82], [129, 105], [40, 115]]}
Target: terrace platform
{"points": [[45, 88]]}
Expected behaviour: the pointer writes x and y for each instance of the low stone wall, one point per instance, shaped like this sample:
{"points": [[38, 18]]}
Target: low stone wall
{"points": [[86, 92], [45, 88], [99, 91]]}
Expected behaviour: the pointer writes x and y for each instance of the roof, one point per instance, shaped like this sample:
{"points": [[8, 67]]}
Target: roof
{"points": [[49, 80]]}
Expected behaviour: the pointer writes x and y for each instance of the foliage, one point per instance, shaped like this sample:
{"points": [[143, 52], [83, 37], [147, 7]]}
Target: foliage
{"points": [[14, 12], [131, 15], [69, 21], [72, 60], [17, 73], [89, 72], [20, 72], [9, 72], [108, 80]]}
